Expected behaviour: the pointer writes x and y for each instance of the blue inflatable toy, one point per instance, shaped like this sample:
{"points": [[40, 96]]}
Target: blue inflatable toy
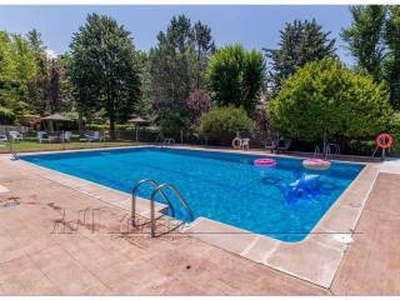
{"points": [[307, 186]]}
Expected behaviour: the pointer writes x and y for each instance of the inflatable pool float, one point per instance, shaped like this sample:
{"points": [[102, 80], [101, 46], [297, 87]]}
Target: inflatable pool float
{"points": [[265, 162], [316, 164], [310, 181], [306, 187]]}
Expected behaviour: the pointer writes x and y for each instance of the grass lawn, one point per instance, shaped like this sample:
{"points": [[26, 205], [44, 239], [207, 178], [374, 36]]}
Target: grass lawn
{"points": [[33, 145]]}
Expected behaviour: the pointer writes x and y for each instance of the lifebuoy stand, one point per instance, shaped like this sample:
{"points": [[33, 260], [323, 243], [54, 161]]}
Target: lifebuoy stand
{"points": [[237, 143], [383, 141]]}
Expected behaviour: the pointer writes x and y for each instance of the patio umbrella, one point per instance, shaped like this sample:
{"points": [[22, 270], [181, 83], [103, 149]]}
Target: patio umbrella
{"points": [[55, 118], [139, 122]]}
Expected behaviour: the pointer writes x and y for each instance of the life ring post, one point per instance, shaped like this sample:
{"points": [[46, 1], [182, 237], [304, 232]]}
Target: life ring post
{"points": [[237, 143], [383, 141]]}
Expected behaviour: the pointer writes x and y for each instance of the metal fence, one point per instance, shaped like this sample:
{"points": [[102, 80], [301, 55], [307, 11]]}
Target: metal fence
{"points": [[152, 136], [142, 136], [5, 129], [127, 135]]}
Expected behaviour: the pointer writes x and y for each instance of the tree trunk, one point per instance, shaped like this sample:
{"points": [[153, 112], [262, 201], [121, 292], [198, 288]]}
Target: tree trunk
{"points": [[112, 128], [81, 127]]}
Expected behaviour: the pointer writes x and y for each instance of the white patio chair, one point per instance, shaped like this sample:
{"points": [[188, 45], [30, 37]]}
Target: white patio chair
{"points": [[15, 136], [43, 137], [96, 137]]}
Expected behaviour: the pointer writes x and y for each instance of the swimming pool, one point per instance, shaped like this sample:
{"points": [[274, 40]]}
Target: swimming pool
{"points": [[221, 186]]}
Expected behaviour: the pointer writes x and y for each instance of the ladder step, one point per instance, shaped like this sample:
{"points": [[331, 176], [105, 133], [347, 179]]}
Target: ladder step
{"points": [[157, 216]]}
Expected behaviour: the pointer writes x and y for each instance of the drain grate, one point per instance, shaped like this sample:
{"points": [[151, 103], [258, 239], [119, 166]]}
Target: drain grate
{"points": [[9, 203]]}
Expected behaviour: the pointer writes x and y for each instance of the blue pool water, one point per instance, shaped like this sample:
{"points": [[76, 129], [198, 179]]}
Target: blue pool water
{"points": [[225, 187]]}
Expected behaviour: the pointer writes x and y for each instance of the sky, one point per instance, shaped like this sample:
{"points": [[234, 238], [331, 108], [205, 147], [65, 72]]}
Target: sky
{"points": [[255, 27]]}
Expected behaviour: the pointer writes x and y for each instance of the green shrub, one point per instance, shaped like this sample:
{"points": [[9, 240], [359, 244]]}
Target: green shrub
{"points": [[172, 123], [394, 124], [220, 124], [358, 147], [325, 97]]}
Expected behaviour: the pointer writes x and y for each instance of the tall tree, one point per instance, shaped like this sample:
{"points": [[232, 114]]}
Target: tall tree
{"points": [[365, 37], [38, 86], [17, 68], [300, 43], [104, 68], [144, 106], [236, 77], [177, 65], [169, 66], [34, 37], [325, 99], [27, 85], [54, 91], [392, 64], [205, 47], [46, 94], [38, 92], [7, 78]]}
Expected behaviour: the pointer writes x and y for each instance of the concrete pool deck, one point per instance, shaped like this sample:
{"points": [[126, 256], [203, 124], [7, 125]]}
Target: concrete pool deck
{"points": [[209, 270]]}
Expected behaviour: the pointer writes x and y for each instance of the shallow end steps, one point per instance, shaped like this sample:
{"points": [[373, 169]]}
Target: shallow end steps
{"points": [[220, 235]]}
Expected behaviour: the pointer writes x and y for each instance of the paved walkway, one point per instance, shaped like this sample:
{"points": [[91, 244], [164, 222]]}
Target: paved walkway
{"points": [[76, 261], [50, 246], [371, 266]]}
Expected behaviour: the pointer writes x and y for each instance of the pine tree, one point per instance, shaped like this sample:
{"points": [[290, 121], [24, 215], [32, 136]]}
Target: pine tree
{"points": [[300, 43], [54, 92], [177, 66], [365, 38], [392, 63]]}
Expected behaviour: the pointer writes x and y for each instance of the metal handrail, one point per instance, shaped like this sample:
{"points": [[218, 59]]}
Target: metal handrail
{"points": [[134, 190], [168, 142], [327, 152], [317, 151], [336, 147], [152, 205]]}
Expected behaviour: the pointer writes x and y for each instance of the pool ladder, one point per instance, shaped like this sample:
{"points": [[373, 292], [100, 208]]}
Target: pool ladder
{"points": [[159, 189], [168, 142]]}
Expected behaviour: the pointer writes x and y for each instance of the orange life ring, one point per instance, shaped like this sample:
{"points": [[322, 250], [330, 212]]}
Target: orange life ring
{"points": [[384, 140]]}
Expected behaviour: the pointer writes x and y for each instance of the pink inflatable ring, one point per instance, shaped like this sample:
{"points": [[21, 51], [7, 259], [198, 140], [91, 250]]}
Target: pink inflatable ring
{"points": [[316, 164], [265, 162]]}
